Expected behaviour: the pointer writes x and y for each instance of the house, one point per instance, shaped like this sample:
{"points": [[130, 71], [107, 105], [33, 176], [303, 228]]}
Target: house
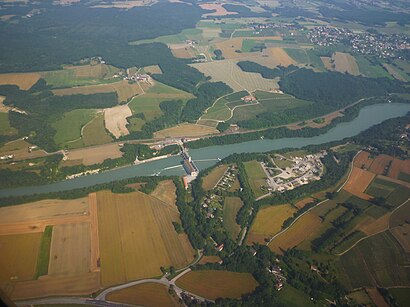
{"points": [[248, 98]]}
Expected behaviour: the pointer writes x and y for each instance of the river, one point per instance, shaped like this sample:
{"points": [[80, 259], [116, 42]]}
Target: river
{"points": [[368, 116]]}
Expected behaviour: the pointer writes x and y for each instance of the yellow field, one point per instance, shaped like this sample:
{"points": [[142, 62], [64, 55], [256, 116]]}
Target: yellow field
{"points": [[182, 51], [228, 48], [344, 62], [153, 69], [296, 234], [115, 120], [166, 192], [359, 180], [214, 284], [70, 249], [93, 155], [18, 257], [24, 80], [228, 72], [124, 90], [137, 237], [268, 222], [185, 130], [148, 294], [210, 180], [281, 57]]}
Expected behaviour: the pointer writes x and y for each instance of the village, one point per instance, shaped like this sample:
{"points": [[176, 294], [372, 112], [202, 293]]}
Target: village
{"points": [[300, 171]]}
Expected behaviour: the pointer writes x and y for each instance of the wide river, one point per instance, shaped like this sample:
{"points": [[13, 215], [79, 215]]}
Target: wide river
{"points": [[205, 157]]}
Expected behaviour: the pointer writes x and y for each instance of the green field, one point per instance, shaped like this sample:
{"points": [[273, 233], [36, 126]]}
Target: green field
{"points": [[221, 110], [194, 34], [371, 70], [148, 103], [69, 127], [5, 128], [135, 124], [398, 196], [268, 103], [44, 252], [289, 296], [381, 188], [230, 211], [251, 45], [401, 295], [298, 55], [256, 177], [380, 258], [94, 133]]}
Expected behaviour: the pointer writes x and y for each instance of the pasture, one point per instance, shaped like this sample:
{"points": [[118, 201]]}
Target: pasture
{"points": [[69, 127], [18, 257], [5, 128], [232, 205], [228, 72], [115, 120], [185, 130], [70, 249], [256, 177], [137, 237], [147, 294], [213, 284], [358, 182], [211, 179], [209, 259], [94, 132], [268, 222], [369, 69], [221, 110], [23, 80]]}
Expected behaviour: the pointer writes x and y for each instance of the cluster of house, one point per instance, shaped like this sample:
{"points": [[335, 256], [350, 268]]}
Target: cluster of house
{"points": [[134, 77], [228, 178], [381, 45], [210, 205], [274, 269]]}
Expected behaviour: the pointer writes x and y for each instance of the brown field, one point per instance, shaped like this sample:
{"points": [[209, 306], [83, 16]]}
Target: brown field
{"points": [[115, 120], [209, 259], [399, 166], [210, 180], [394, 72], [326, 61], [296, 234], [96, 154], [379, 164], [214, 284], [182, 51], [375, 226], [268, 222], [301, 203], [148, 294], [358, 182], [18, 257], [400, 216], [401, 233], [70, 249], [220, 10], [137, 237], [363, 160], [235, 186], [228, 72], [376, 297], [344, 62], [281, 57], [166, 192], [23, 80], [185, 130], [19, 148], [124, 90], [229, 46], [153, 69], [80, 284]]}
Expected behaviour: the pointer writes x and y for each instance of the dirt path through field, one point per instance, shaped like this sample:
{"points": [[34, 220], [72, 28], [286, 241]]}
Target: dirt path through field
{"points": [[95, 245]]}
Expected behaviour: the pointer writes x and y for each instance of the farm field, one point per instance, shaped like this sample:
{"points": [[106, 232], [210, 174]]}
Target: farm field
{"points": [[344, 62], [290, 296], [383, 260], [213, 284], [166, 192], [396, 73], [222, 108], [115, 120], [268, 222], [228, 72], [256, 177], [18, 259], [370, 70], [72, 76], [363, 160], [401, 295], [147, 294], [148, 103], [69, 127], [193, 34], [218, 8], [210, 180], [296, 234], [145, 238], [399, 216], [268, 103], [23, 80], [381, 188], [5, 128], [124, 90], [93, 155], [94, 132], [232, 205], [380, 164], [358, 182], [209, 259], [70, 249], [400, 233], [280, 56], [300, 204], [153, 69], [185, 130]]}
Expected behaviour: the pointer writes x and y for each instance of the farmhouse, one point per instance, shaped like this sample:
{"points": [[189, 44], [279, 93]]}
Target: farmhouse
{"points": [[248, 98]]}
